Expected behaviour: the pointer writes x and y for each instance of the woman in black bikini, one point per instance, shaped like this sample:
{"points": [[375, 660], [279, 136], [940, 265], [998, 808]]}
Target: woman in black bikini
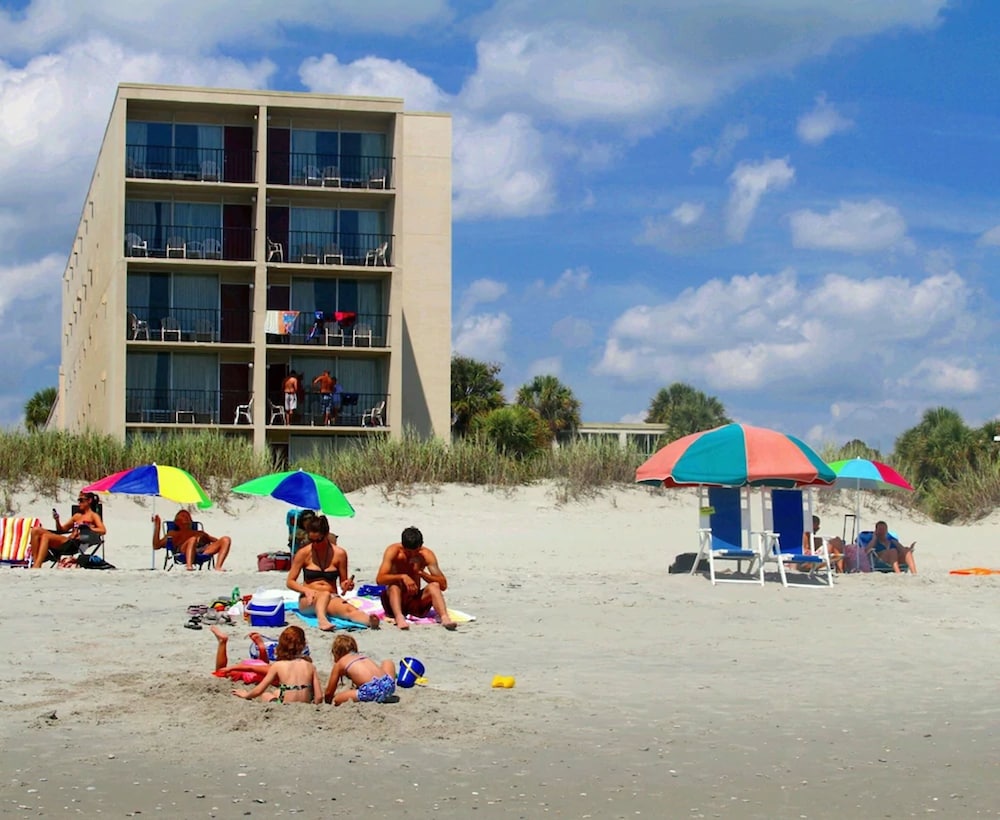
{"points": [[322, 565]]}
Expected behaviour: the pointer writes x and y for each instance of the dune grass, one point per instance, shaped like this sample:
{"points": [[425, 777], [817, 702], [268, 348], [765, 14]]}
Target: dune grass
{"points": [[41, 461]]}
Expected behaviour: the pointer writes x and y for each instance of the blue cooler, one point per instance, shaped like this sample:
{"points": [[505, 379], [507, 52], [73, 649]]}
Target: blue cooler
{"points": [[266, 610], [409, 670]]}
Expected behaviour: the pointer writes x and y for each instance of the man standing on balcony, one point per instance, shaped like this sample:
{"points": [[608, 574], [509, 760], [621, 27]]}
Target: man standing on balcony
{"points": [[329, 396], [291, 388]]}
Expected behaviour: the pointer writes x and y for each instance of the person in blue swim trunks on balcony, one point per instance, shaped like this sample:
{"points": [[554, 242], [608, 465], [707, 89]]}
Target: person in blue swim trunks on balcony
{"points": [[889, 550], [372, 682]]}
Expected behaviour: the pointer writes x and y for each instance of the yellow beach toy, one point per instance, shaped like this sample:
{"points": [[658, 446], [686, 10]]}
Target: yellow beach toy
{"points": [[503, 682]]}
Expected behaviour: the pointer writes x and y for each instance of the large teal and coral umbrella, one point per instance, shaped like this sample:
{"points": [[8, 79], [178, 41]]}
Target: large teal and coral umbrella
{"points": [[736, 455], [302, 489]]}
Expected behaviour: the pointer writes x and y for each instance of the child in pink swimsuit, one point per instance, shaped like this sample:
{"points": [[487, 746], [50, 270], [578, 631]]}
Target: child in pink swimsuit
{"points": [[374, 682]]}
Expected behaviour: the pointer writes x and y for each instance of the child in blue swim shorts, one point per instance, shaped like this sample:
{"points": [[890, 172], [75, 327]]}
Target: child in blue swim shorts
{"points": [[373, 682]]}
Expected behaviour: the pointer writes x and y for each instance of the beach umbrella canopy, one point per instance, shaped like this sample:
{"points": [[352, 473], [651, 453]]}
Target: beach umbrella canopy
{"points": [[736, 455], [309, 490], [171, 483], [863, 474]]}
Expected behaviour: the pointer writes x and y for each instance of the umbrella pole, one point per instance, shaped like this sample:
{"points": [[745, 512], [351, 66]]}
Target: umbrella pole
{"points": [[152, 556]]}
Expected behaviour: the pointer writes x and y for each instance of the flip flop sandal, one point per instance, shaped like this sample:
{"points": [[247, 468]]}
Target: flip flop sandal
{"points": [[197, 609], [212, 617], [192, 624]]}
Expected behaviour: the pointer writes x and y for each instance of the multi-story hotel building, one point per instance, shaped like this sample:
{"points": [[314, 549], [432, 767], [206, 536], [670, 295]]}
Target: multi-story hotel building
{"points": [[230, 237]]}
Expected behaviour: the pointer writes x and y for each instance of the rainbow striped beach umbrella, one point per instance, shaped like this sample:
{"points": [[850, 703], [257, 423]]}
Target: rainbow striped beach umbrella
{"points": [[171, 483], [863, 474], [736, 455]]}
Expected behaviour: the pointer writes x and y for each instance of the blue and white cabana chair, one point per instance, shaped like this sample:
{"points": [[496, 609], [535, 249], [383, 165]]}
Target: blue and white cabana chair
{"points": [[787, 531], [724, 535]]}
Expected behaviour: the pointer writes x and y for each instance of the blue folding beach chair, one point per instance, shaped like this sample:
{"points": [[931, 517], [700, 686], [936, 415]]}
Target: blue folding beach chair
{"points": [[787, 529], [725, 518], [175, 556]]}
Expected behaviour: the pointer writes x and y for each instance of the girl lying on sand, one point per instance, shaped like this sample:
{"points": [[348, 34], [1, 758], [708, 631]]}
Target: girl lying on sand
{"points": [[292, 672], [375, 682]]}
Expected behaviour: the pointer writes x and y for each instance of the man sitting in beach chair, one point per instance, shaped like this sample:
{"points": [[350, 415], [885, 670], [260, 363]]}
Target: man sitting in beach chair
{"points": [[194, 543]]}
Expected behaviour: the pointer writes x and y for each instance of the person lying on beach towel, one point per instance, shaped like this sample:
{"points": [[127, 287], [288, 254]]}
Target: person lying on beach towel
{"points": [[323, 565], [404, 566], [373, 682], [293, 673]]}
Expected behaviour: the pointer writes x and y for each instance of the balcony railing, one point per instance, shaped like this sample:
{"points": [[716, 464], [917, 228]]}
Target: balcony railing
{"points": [[323, 328], [180, 324], [167, 406], [323, 248], [356, 410], [189, 242], [330, 170], [194, 164]]}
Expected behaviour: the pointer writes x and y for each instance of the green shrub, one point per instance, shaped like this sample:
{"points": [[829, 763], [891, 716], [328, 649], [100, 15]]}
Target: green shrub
{"points": [[515, 431]]}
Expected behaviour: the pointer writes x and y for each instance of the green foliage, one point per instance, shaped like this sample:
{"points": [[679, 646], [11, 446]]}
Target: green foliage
{"points": [[685, 410], [38, 407], [938, 448], [475, 390], [515, 431], [554, 403]]}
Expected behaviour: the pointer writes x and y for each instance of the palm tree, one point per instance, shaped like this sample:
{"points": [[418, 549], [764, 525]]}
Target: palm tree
{"points": [[38, 407], [938, 447], [553, 401], [685, 410], [475, 390]]}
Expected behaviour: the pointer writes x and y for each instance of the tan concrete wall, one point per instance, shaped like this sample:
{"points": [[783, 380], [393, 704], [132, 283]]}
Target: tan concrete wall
{"points": [[423, 257]]}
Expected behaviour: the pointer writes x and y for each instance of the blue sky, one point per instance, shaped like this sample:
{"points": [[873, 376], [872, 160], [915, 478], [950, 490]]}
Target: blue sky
{"points": [[790, 204]]}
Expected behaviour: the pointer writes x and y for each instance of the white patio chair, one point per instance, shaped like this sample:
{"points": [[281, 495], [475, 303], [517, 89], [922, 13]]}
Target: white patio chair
{"points": [[212, 249], [176, 248], [244, 411], [276, 411], [137, 326], [210, 171], [334, 334], [332, 255], [135, 245], [377, 178], [170, 327], [362, 333], [275, 251], [331, 177], [374, 417], [376, 256], [311, 175], [786, 514]]}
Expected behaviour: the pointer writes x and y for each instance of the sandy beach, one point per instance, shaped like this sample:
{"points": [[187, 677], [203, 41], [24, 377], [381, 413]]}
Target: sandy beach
{"points": [[638, 693]]}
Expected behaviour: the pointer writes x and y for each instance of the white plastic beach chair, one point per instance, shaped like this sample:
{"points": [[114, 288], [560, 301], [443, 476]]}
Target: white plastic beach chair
{"points": [[787, 529]]}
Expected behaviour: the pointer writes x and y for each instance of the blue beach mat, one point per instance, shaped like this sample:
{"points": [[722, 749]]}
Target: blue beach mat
{"points": [[339, 623]]}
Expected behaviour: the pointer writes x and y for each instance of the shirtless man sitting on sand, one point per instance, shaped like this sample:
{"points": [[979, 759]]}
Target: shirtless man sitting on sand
{"points": [[404, 566]]}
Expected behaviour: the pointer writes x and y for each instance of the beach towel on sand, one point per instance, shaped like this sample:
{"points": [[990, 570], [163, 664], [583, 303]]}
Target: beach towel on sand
{"points": [[373, 606], [311, 620]]}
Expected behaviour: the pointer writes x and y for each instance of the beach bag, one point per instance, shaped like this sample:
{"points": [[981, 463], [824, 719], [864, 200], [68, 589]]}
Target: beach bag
{"points": [[683, 563], [272, 650], [93, 562], [266, 562]]}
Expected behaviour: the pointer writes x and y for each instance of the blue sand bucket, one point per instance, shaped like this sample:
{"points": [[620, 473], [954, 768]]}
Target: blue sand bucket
{"points": [[409, 670]]}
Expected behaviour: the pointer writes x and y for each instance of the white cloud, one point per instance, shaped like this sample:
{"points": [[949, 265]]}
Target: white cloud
{"points": [[934, 376], [500, 169], [571, 279], [483, 336], [991, 237], [193, 25], [855, 227], [549, 366], [722, 152], [749, 182], [685, 229], [847, 337], [572, 332], [688, 213], [814, 127], [479, 292], [373, 77]]}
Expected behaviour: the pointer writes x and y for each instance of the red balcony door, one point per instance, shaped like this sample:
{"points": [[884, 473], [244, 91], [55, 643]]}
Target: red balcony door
{"points": [[237, 310], [235, 382]]}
